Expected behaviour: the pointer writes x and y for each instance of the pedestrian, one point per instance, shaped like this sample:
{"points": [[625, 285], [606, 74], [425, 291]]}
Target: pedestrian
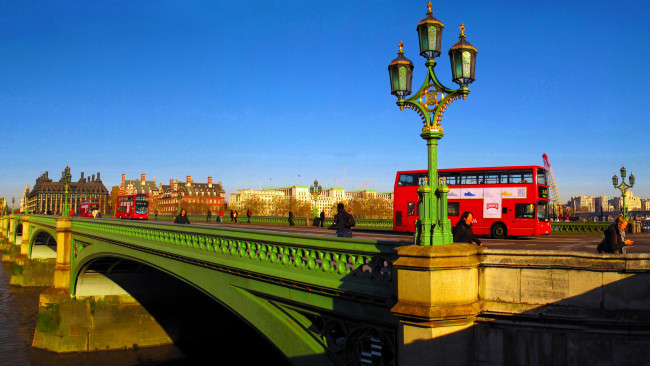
{"points": [[236, 214], [182, 218], [156, 213], [614, 242], [344, 222], [207, 218], [232, 216], [248, 214], [291, 223], [220, 215], [322, 218], [463, 230]]}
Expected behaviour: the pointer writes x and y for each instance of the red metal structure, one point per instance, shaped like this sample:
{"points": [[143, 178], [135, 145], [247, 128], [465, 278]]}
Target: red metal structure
{"points": [[504, 201], [132, 206]]}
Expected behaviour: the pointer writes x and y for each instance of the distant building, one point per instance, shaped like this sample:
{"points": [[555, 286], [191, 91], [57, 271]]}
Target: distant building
{"points": [[196, 198], [632, 203], [47, 195]]}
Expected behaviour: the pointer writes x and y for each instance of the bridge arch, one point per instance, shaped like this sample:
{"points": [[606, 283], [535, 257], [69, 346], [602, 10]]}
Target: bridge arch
{"points": [[42, 243], [230, 303]]}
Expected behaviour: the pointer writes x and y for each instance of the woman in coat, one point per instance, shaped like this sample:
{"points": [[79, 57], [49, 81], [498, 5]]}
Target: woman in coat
{"points": [[182, 218], [614, 242], [463, 230]]}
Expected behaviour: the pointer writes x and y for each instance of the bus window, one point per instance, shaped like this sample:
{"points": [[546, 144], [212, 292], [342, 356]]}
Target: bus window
{"points": [[541, 176], [524, 211], [521, 176], [496, 177], [411, 209], [406, 180], [472, 178], [453, 208], [542, 210], [451, 178]]}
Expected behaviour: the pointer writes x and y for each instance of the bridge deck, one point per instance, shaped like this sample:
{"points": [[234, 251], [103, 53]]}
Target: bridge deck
{"points": [[557, 242]]}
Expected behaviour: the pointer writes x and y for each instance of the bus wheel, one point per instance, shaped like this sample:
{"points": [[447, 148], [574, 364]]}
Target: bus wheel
{"points": [[498, 231]]}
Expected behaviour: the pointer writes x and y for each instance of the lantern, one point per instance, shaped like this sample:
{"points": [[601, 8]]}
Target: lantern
{"points": [[632, 179], [615, 180], [463, 60], [430, 36], [401, 75], [623, 171]]}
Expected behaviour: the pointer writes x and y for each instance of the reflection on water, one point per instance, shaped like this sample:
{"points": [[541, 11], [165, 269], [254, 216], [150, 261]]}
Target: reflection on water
{"points": [[18, 315]]}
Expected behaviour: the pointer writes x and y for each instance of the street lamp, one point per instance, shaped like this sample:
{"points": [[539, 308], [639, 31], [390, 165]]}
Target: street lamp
{"points": [[623, 187], [65, 210], [430, 102], [315, 191], [180, 197]]}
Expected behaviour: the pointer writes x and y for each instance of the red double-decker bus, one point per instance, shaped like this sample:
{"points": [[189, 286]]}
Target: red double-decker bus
{"points": [[132, 206], [504, 201], [89, 207]]}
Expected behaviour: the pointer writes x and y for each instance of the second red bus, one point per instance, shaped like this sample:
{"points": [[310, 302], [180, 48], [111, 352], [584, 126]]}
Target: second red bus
{"points": [[132, 206], [504, 201]]}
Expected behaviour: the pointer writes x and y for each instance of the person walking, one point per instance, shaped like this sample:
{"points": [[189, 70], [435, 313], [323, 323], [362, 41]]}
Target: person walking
{"points": [[182, 218], [291, 223], [220, 215], [344, 222], [156, 214], [232, 216], [614, 242], [463, 230], [249, 214], [322, 218], [236, 214], [209, 216]]}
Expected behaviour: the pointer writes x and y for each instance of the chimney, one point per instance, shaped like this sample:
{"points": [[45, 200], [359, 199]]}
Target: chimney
{"points": [[82, 176], [123, 177], [98, 176], [189, 179], [143, 178], [47, 174], [93, 178], [171, 182], [210, 182]]}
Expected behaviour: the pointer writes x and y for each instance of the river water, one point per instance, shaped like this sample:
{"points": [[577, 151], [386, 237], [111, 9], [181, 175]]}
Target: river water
{"points": [[18, 315]]}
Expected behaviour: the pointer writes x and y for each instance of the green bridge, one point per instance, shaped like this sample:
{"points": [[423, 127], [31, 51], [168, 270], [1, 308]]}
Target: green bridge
{"points": [[318, 300]]}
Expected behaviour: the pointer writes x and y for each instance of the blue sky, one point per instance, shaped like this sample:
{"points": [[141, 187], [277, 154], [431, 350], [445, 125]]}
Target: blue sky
{"points": [[271, 93]]}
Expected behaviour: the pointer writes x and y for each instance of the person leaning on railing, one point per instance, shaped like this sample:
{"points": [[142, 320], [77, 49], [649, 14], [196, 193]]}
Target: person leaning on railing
{"points": [[614, 241]]}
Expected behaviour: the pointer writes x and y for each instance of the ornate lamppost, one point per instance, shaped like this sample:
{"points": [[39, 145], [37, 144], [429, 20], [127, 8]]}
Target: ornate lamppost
{"points": [[13, 200], [315, 191], [26, 204], [623, 187], [180, 198], [430, 102], [65, 207]]}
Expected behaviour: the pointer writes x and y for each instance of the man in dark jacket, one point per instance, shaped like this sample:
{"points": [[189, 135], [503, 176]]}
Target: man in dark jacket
{"points": [[344, 222], [463, 230], [322, 218]]}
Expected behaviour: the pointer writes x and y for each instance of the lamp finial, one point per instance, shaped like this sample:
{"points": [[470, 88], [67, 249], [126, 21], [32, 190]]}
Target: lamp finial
{"points": [[462, 30], [430, 11], [401, 45]]}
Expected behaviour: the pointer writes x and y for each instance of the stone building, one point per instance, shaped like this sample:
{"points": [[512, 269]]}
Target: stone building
{"points": [[47, 195], [196, 198]]}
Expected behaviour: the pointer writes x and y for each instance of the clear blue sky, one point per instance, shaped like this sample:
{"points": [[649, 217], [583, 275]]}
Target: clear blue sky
{"points": [[271, 93]]}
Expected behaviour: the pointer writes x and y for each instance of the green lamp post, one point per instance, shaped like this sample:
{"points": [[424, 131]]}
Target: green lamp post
{"points": [[430, 102], [315, 191], [623, 187], [13, 201], [180, 198], [65, 207]]}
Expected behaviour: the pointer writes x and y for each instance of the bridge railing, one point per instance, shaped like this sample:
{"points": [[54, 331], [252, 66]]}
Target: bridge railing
{"points": [[321, 263], [579, 227]]}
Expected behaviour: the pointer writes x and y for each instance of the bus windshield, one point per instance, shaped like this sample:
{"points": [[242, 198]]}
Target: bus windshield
{"points": [[141, 204]]}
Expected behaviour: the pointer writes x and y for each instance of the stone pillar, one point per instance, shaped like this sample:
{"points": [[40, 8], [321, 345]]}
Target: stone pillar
{"points": [[437, 290], [24, 244], [63, 245], [12, 228]]}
